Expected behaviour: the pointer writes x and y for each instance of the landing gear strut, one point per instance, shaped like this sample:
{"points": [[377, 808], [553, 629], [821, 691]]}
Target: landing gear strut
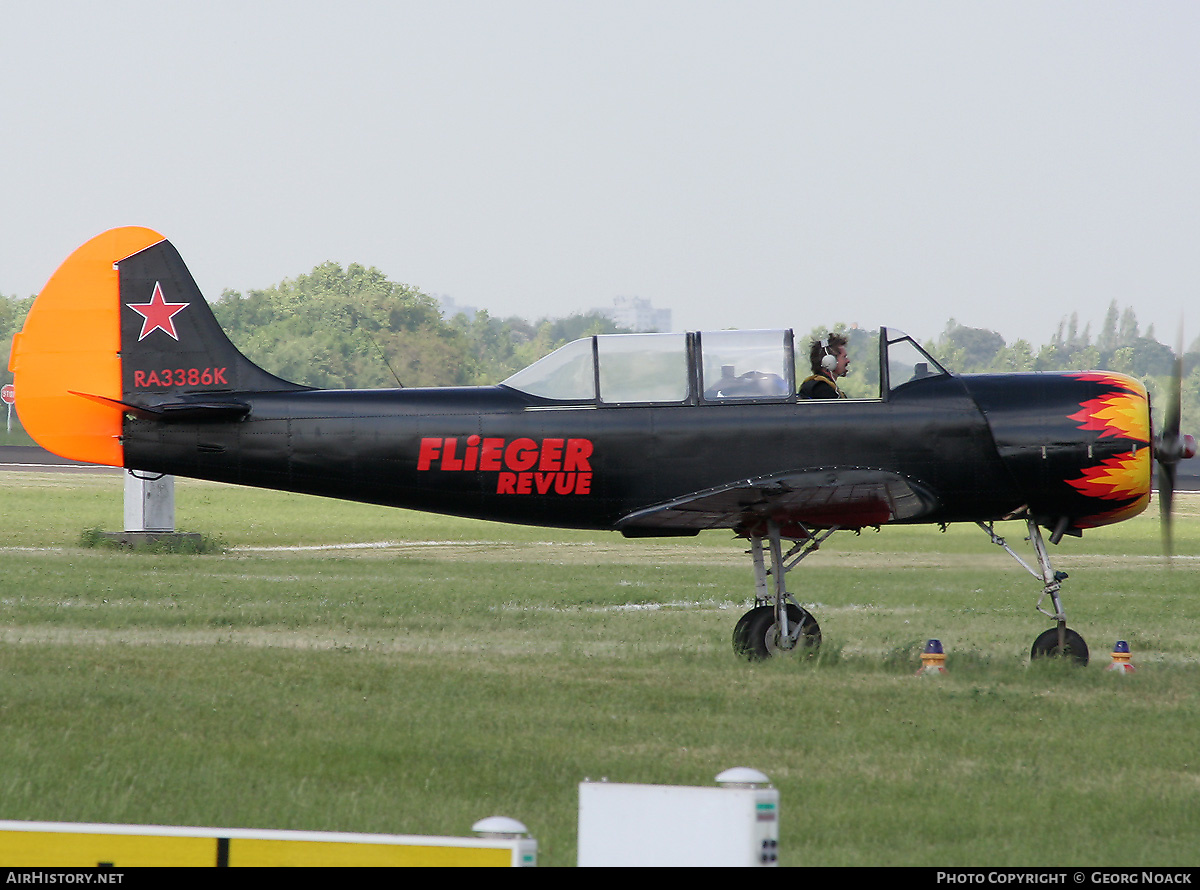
{"points": [[1059, 641], [777, 624]]}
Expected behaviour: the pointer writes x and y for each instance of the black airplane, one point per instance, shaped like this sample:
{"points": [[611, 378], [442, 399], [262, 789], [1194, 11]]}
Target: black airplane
{"points": [[121, 362]]}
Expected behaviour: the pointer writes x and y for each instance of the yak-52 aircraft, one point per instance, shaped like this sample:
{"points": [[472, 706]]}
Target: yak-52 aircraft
{"points": [[121, 362]]}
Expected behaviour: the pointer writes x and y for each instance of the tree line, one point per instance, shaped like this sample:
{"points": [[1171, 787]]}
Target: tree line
{"points": [[352, 327]]}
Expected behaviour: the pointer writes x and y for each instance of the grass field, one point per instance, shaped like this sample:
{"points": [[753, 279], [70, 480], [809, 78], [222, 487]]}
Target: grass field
{"points": [[351, 668]]}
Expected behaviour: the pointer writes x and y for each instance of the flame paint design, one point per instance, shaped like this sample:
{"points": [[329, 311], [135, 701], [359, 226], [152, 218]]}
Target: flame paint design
{"points": [[1118, 414], [1117, 478], [1121, 413], [1113, 516]]}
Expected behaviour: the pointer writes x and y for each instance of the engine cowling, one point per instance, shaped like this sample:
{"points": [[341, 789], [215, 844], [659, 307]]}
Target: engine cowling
{"points": [[1078, 445]]}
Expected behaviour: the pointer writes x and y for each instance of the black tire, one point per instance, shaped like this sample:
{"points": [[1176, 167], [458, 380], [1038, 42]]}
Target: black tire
{"points": [[755, 636], [1046, 646]]}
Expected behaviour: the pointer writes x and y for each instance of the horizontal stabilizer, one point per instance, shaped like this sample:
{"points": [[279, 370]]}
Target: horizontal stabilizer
{"points": [[180, 409]]}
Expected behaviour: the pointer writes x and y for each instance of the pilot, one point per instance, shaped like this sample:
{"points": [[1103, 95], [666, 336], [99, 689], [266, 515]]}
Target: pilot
{"points": [[829, 362]]}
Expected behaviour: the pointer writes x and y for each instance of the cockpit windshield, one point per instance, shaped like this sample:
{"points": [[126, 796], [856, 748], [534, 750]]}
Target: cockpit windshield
{"points": [[568, 373], [713, 367], [906, 361]]}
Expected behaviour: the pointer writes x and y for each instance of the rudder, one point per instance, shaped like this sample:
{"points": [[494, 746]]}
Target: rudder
{"points": [[71, 340]]}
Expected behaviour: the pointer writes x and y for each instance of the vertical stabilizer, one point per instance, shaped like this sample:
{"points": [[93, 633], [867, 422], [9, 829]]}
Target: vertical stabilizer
{"points": [[171, 343]]}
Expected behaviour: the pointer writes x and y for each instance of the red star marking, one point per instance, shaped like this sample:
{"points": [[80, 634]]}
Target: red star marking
{"points": [[157, 314]]}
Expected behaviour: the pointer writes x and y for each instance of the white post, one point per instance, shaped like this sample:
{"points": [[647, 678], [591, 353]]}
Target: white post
{"points": [[149, 502]]}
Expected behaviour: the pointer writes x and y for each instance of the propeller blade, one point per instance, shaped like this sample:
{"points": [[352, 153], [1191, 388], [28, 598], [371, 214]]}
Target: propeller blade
{"points": [[1170, 447], [1166, 499], [1171, 418]]}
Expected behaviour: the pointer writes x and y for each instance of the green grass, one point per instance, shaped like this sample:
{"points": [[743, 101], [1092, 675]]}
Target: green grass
{"points": [[461, 669], [16, 435]]}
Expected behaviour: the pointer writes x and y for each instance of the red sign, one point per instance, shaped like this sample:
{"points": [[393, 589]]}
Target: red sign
{"points": [[8, 393]]}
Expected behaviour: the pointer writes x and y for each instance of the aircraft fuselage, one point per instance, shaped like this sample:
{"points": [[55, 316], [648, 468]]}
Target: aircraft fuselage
{"points": [[496, 453]]}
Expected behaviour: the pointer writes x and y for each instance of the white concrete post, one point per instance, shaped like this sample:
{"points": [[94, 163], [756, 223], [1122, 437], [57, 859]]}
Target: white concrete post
{"points": [[149, 502]]}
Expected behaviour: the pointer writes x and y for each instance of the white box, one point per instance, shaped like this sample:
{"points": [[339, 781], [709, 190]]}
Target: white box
{"points": [[669, 825]]}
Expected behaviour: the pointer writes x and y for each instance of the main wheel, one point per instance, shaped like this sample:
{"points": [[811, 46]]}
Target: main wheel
{"points": [[756, 635], [1046, 646]]}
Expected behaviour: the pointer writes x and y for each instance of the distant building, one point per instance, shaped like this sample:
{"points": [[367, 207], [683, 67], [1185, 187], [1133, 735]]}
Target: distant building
{"points": [[450, 308], [637, 314]]}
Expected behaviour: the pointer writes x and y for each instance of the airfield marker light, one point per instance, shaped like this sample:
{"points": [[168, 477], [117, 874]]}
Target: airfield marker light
{"points": [[1121, 656], [742, 777], [933, 659], [499, 827]]}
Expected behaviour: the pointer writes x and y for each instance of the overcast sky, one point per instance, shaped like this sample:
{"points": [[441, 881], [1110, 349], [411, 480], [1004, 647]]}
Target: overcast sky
{"points": [[745, 164]]}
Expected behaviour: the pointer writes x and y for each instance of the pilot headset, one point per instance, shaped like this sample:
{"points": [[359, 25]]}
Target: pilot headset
{"points": [[828, 360]]}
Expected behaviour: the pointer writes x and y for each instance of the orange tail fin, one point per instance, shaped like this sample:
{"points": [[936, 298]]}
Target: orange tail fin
{"points": [[71, 342]]}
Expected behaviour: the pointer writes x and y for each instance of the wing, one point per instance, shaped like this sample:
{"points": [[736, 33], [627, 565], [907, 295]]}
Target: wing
{"points": [[820, 498]]}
